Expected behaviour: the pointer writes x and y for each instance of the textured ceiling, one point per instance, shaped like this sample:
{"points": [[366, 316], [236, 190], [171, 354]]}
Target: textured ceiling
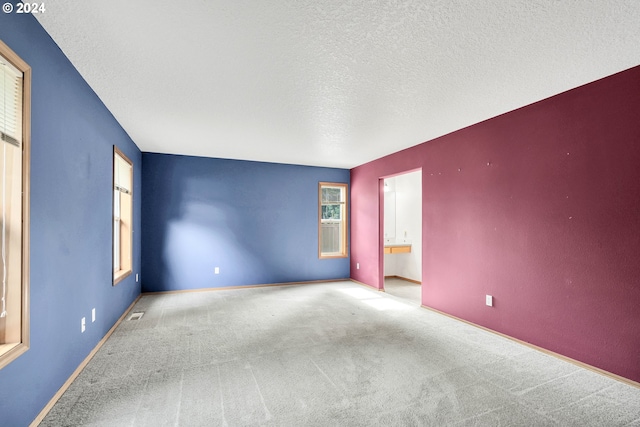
{"points": [[331, 83]]}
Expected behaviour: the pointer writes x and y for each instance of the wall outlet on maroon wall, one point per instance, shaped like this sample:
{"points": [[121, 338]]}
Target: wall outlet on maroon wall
{"points": [[489, 300]]}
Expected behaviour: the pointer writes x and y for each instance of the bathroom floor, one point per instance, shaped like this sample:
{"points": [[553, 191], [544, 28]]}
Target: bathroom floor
{"points": [[408, 291]]}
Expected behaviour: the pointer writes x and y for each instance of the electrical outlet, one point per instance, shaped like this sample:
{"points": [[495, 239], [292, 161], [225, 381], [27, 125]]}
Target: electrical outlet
{"points": [[137, 278], [82, 325], [93, 315], [217, 270], [357, 266], [489, 300]]}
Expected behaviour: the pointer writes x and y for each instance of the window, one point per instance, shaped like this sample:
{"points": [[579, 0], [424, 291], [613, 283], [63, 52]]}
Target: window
{"points": [[332, 213], [122, 215], [15, 108]]}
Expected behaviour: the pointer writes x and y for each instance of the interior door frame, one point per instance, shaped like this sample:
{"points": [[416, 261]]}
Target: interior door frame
{"points": [[381, 228]]}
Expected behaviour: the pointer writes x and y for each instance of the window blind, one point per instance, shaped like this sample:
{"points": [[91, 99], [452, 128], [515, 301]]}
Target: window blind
{"points": [[122, 172], [10, 132], [10, 103]]}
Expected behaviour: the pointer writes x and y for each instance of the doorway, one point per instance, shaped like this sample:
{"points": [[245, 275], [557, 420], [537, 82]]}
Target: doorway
{"points": [[401, 238]]}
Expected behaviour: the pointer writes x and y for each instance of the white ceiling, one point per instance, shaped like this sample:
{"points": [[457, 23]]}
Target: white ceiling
{"points": [[331, 82]]}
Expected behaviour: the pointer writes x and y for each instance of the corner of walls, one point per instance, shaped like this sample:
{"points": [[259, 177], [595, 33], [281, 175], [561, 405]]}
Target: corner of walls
{"points": [[72, 135]]}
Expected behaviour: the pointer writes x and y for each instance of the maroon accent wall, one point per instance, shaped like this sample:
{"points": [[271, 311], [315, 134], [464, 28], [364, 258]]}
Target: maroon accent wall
{"points": [[539, 207]]}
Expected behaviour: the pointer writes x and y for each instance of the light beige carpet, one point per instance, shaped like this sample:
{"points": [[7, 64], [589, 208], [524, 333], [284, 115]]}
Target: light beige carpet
{"points": [[335, 354]]}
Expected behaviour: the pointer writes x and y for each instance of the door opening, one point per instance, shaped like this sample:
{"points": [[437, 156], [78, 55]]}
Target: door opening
{"points": [[401, 237]]}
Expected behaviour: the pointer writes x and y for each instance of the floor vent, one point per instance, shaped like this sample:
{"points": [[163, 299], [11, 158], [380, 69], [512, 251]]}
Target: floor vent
{"points": [[136, 316]]}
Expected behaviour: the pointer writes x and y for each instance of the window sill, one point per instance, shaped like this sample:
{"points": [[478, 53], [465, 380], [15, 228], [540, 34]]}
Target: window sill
{"points": [[120, 275], [9, 352], [331, 256]]}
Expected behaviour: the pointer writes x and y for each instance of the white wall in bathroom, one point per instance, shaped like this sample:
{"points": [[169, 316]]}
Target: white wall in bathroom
{"points": [[409, 224], [408, 227], [389, 208]]}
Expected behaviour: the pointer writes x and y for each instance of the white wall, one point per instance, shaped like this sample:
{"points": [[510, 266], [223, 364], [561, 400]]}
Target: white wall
{"points": [[390, 223], [389, 215], [408, 226]]}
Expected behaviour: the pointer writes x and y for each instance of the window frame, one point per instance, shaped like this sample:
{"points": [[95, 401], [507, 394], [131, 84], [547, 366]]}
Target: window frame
{"points": [[122, 225], [9, 351], [344, 221]]}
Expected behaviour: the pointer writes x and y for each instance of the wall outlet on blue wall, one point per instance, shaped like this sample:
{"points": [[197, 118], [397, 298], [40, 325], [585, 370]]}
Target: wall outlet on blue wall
{"points": [[217, 270]]}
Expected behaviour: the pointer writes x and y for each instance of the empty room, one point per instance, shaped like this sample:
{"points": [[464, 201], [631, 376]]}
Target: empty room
{"points": [[344, 213]]}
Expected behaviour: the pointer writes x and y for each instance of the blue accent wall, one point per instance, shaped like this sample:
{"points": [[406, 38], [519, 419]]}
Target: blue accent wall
{"points": [[257, 222], [73, 135]]}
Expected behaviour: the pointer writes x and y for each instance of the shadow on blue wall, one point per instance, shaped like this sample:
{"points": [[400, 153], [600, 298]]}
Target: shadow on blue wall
{"points": [[256, 222]]}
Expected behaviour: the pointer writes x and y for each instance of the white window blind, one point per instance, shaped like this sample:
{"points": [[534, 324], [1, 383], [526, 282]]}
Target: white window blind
{"points": [[10, 132], [10, 103], [122, 172]]}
